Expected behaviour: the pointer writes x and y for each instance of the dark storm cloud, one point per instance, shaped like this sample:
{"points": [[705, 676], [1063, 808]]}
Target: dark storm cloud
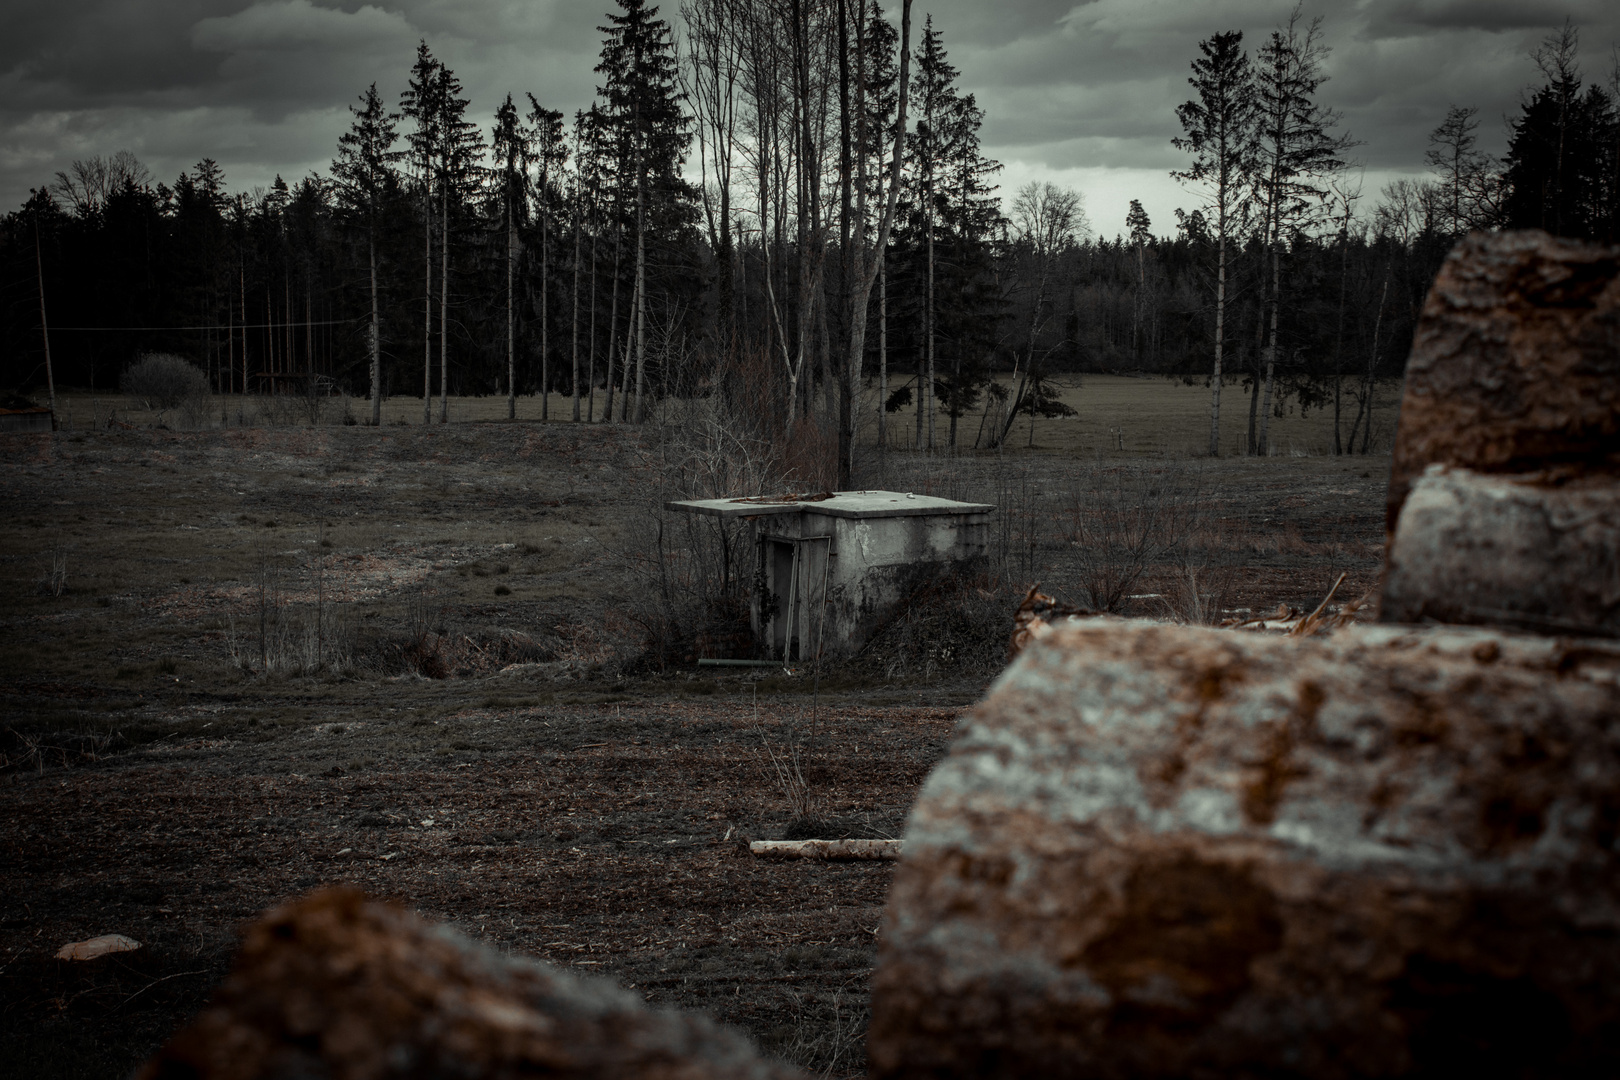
{"points": [[1082, 94], [262, 87], [1085, 94]]}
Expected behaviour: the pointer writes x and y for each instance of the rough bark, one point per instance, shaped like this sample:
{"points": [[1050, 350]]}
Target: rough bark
{"points": [[346, 988], [1515, 364], [829, 850], [1161, 851]]}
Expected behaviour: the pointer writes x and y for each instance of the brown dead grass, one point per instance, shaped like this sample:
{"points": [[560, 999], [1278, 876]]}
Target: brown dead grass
{"points": [[154, 785]]}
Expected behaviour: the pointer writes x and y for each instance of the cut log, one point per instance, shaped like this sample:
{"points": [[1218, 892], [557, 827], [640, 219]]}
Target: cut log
{"points": [[831, 850], [1158, 851], [345, 988]]}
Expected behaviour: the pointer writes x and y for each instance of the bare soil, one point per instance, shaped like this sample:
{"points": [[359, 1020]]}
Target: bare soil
{"points": [[167, 774]]}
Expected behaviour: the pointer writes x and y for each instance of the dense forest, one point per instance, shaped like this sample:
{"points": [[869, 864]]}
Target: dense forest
{"points": [[777, 202]]}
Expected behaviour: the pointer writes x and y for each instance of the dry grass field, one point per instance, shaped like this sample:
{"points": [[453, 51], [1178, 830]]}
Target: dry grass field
{"points": [[1117, 415], [250, 658]]}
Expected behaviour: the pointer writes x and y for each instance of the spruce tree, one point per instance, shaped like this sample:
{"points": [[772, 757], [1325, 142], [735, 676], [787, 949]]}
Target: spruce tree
{"points": [[1220, 134], [419, 103], [364, 178], [549, 155], [459, 175], [1562, 168], [649, 135], [1297, 152], [511, 144]]}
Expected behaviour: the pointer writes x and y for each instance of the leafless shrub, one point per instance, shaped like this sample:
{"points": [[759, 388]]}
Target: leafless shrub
{"points": [[42, 750], [1120, 520], [697, 573], [52, 580], [164, 382], [830, 1046], [287, 636]]}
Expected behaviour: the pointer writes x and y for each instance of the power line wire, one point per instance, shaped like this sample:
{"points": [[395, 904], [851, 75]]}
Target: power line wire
{"points": [[228, 326]]}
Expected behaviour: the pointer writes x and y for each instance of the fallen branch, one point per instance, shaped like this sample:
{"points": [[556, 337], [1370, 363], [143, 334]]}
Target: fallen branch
{"points": [[840, 850]]}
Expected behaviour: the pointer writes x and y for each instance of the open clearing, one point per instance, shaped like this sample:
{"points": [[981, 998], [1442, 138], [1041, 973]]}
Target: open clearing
{"points": [[548, 794]]}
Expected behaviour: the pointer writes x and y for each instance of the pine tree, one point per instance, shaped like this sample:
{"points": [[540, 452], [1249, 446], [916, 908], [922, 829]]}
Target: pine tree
{"points": [[1220, 134], [1296, 153], [459, 175], [877, 92], [969, 316], [420, 104], [550, 155], [512, 146], [365, 180], [650, 138], [1562, 168], [934, 93], [1140, 228]]}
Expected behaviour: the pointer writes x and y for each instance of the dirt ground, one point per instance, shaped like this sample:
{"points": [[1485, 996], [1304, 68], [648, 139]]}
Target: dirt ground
{"points": [[170, 769]]}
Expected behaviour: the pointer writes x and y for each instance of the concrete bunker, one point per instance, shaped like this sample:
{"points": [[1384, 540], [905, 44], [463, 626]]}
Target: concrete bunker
{"points": [[833, 567]]}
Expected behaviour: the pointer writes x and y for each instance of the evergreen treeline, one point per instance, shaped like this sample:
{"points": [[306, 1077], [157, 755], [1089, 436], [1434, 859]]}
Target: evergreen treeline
{"points": [[734, 216]]}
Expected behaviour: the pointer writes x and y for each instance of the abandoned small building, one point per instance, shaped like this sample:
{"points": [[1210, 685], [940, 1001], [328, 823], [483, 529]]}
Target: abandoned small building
{"points": [[833, 567]]}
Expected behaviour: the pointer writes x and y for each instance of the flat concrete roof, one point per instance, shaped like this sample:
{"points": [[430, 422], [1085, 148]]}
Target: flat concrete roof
{"points": [[845, 504]]}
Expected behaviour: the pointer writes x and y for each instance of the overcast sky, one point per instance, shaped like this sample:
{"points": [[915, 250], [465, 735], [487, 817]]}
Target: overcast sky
{"points": [[1081, 94]]}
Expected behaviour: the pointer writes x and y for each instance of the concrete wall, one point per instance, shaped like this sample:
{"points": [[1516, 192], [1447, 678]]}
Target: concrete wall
{"points": [[872, 565]]}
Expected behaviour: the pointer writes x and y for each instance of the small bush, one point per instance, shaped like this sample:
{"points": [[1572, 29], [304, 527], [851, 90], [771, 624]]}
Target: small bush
{"points": [[164, 381]]}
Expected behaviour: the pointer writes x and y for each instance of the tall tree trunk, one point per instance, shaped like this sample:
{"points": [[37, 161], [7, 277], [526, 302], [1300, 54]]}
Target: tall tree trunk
{"points": [[613, 327], [574, 331], [922, 373], [1372, 365], [1220, 345], [928, 218], [1271, 351], [241, 284], [590, 370], [956, 390], [641, 324], [444, 308], [427, 311], [511, 339], [1136, 308], [1256, 370], [44, 325], [883, 356], [641, 278], [872, 261], [375, 343], [846, 389], [545, 301], [1338, 344], [289, 338]]}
